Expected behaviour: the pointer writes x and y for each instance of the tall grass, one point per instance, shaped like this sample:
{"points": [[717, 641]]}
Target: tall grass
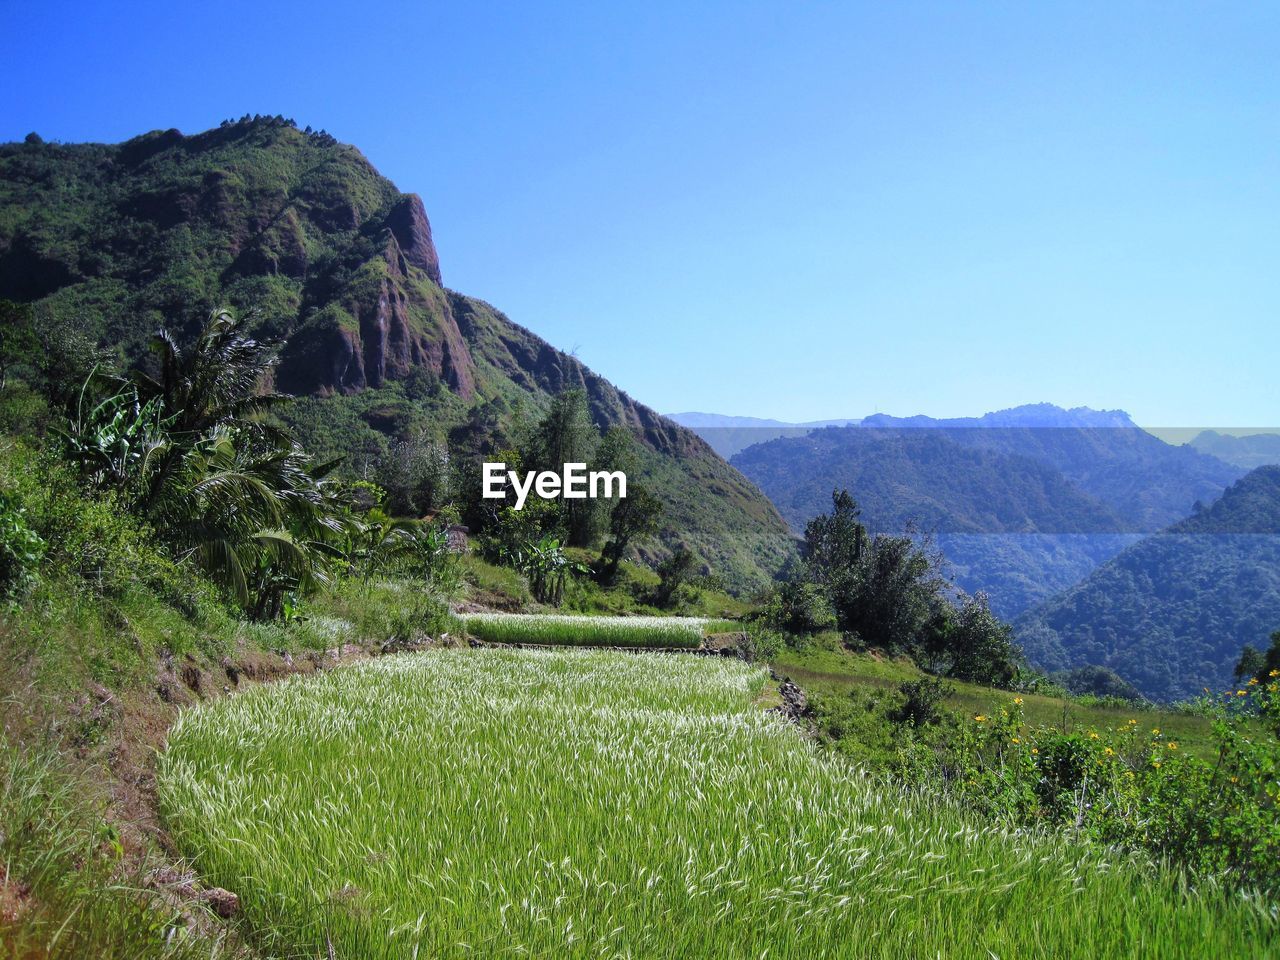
{"points": [[502, 803], [584, 631], [65, 891]]}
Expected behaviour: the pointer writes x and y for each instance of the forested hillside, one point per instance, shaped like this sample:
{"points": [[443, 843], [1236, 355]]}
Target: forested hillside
{"points": [[1172, 613], [111, 242]]}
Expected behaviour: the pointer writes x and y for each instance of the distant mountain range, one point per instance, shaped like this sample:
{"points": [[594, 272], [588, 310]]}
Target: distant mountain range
{"points": [[1172, 612], [728, 435], [1254, 450], [1107, 544]]}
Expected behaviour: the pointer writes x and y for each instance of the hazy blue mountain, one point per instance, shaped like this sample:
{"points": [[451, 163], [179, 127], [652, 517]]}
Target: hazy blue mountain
{"points": [[727, 435], [1172, 613], [1254, 450], [1009, 525], [1027, 415], [1023, 502]]}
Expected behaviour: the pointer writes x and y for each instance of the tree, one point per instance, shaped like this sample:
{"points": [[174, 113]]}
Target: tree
{"points": [[884, 589], [1254, 664], [189, 453], [972, 644], [567, 435], [634, 518], [1251, 663], [18, 341], [673, 574]]}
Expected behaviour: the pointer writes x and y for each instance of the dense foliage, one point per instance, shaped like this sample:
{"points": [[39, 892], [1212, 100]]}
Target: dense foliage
{"points": [[1172, 613]]}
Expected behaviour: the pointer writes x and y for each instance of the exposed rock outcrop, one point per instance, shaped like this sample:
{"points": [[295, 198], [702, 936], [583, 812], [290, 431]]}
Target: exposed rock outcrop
{"points": [[412, 231]]}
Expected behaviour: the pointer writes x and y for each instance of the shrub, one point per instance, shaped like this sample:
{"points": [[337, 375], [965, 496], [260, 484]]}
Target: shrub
{"points": [[923, 703], [21, 550], [798, 608]]}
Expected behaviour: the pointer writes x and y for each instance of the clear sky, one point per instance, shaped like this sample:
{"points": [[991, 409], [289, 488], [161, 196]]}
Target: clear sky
{"points": [[790, 210]]}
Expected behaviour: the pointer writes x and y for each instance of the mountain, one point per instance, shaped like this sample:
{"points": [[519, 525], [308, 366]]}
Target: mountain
{"points": [[331, 258], [1023, 502], [1147, 482], [1172, 613], [1254, 450], [728, 435], [1027, 415], [1009, 525]]}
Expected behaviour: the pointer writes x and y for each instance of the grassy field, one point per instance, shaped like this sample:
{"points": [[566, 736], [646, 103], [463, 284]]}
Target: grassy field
{"points": [[827, 670], [589, 631], [570, 803]]}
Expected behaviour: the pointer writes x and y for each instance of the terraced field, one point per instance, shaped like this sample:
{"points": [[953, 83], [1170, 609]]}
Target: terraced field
{"points": [[571, 803]]}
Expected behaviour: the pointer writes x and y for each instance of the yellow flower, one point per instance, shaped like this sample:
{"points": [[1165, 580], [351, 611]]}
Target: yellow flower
{"points": [[1015, 740], [1253, 682], [1133, 723], [1018, 701], [1156, 764], [1155, 731], [1242, 693], [980, 718], [1274, 673], [1235, 779], [1035, 750], [1171, 745], [1093, 734], [1109, 752]]}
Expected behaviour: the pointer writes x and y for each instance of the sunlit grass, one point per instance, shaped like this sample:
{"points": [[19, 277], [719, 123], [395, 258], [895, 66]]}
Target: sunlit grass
{"points": [[586, 631], [827, 669], [501, 803]]}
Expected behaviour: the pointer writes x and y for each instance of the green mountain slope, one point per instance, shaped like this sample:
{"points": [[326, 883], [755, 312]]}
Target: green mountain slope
{"points": [[331, 258], [1172, 613]]}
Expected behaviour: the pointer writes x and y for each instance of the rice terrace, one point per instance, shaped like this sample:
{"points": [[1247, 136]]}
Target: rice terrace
{"points": [[587, 803]]}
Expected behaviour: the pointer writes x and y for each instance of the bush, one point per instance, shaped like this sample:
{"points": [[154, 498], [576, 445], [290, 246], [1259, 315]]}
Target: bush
{"points": [[798, 608], [21, 550], [1133, 787], [923, 703], [761, 643]]}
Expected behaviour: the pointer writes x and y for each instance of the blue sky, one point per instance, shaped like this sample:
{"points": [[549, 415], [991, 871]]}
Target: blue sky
{"points": [[786, 210]]}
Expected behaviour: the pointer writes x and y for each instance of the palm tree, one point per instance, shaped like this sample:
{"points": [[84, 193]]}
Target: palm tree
{"points": [[193, 456]]}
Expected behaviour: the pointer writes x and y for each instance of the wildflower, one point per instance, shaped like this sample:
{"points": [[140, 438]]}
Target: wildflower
{"points": [[1172, 745], [1109, 752], [1274, 673], [1093, 734], [1018, 701], [1253, 681], [1015, 740], [980, 718], [1035, 750], [1156, 764], [1235, 779], [1155, 731], [1133, 723], [1242, 693]]}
